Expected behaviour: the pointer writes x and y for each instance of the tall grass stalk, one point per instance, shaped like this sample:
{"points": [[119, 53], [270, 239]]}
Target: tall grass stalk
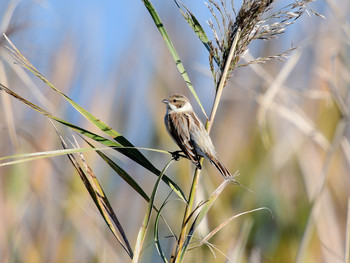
{"points": [[209, 123]]}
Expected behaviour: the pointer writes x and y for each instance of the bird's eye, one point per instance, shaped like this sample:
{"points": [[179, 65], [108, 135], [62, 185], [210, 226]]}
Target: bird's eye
{"points": [[174, 100]]}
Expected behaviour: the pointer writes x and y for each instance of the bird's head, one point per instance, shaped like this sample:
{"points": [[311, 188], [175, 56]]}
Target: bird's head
{"points": [[177, 103]]}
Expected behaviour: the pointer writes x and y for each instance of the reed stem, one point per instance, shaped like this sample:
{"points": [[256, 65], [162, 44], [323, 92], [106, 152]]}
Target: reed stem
{"points": [[178, 252]]}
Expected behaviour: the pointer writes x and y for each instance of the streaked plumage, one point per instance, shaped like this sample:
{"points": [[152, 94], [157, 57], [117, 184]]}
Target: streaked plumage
{"points": [[189, 133]]}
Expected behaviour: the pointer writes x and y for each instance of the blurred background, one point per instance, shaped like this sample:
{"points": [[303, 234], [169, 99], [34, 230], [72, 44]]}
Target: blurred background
{"points": [[283, 125]]}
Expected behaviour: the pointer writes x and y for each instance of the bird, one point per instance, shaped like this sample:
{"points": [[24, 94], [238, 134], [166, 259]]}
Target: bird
{"points": [[189, 133]]}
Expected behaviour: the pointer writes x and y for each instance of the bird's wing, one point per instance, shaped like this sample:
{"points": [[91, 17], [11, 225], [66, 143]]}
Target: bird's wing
{"points": [[179, 129]]}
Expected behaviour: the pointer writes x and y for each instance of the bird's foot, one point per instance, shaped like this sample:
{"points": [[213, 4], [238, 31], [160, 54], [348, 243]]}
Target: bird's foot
{"points": [[177, 155]]}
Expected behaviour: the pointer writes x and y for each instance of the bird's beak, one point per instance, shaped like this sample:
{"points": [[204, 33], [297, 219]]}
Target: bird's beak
{"points": [[165, 101]]}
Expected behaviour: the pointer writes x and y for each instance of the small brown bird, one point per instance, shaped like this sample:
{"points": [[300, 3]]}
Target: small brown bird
{"points": [[189, 133]]}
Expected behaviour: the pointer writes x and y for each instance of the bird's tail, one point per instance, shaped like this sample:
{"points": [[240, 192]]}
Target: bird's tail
{"points": [[226, 174], [222, 169]]}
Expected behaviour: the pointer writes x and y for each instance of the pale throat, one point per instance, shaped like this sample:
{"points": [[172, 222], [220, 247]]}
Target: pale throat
{"points": [[185, 108]]}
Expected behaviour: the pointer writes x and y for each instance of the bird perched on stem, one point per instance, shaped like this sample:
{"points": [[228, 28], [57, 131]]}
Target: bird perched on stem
{"points": [[189, 133]]}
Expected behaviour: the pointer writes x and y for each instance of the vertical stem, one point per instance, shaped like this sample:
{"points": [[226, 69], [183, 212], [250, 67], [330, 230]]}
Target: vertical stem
{"points": [[222, 81], [176, 254], [178, 249]]}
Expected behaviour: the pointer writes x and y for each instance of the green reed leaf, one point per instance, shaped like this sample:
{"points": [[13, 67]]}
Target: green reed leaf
{"points": [[145, 223], [172, 50]]}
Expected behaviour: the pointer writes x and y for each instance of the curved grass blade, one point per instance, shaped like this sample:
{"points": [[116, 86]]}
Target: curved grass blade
{"points": [[122, 173], [142, 232], [27, 157], [196, 26], [156, 235], [133, 154], [218, 228], [199, 218], [172, 50], [125, 176], [101, 201]]}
